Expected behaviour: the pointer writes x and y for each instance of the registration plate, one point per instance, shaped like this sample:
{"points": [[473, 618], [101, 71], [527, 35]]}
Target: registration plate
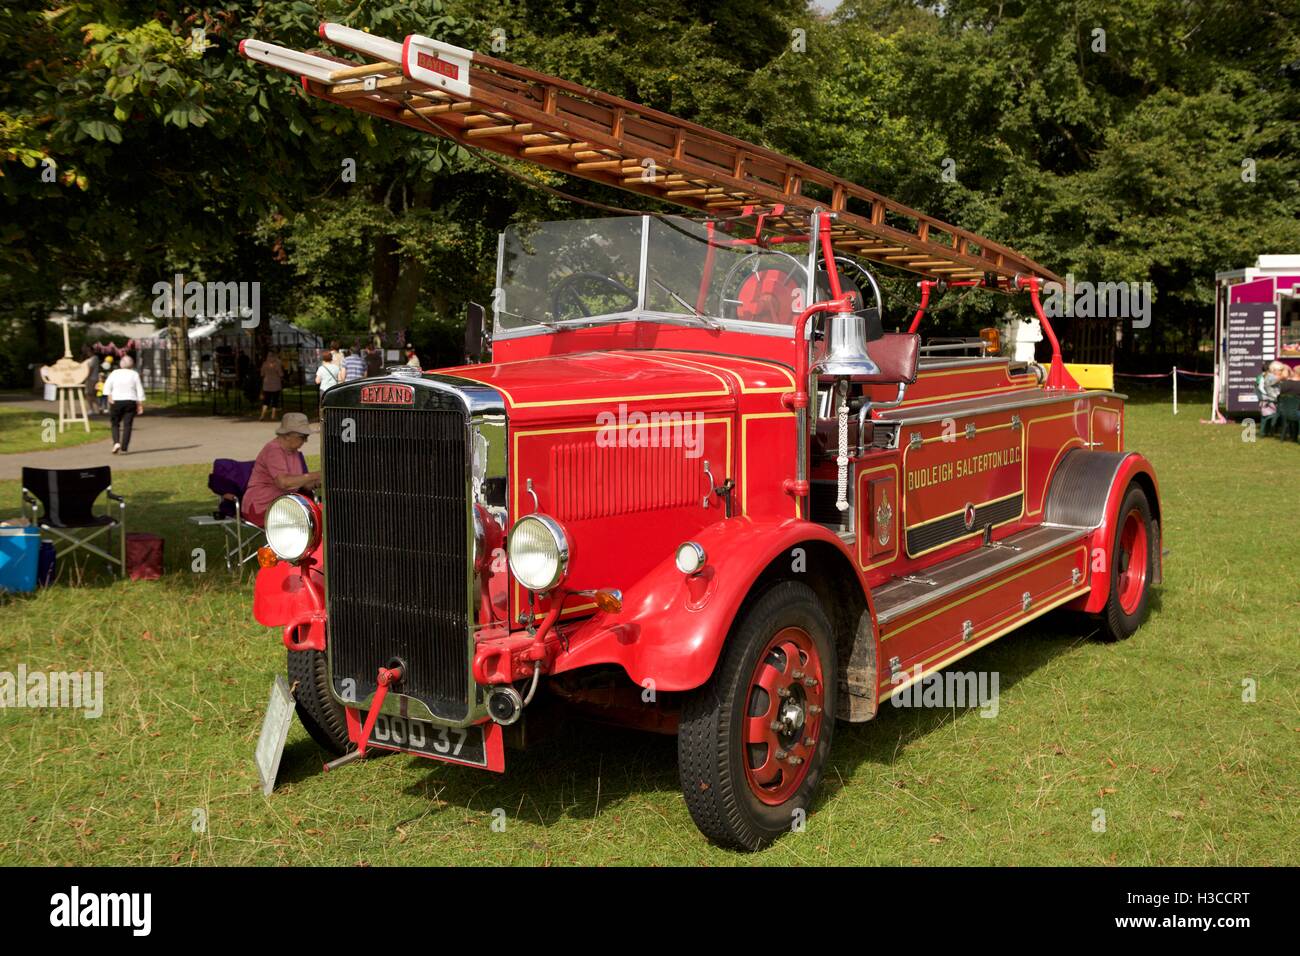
{"points": [[456, 744]]}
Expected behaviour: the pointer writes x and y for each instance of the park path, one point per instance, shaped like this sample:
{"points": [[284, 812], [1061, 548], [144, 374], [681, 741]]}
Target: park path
{"points": [[159, 439]]}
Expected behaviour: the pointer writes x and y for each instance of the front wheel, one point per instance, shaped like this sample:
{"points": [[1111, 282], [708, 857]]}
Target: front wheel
{"points": [[319, 712], [1132, 561], [753, 741]]}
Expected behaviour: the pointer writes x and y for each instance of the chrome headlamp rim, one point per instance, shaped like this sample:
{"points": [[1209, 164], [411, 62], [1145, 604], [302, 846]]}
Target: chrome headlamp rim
{"points": [[559, 539], [313, 524], [690, 557]]}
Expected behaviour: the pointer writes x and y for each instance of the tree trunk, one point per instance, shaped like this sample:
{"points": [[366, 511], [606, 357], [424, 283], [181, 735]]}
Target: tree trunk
{"points": [[180, 368], [395, 280], [384, 271]]}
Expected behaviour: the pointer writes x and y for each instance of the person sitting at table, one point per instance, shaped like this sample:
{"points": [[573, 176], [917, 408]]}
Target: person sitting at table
{"points": [[1266, 388], [279, 468]]}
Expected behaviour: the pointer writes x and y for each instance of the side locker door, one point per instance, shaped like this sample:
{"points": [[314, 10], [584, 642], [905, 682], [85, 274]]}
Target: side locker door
{"points": [[879, 513]]}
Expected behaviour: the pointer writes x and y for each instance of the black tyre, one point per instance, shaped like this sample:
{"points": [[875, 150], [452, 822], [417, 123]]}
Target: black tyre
{"points": [[753, 741], [319, 712], [1132, 563]]}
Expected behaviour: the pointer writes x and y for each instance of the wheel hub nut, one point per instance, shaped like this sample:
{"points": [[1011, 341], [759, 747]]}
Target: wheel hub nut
{"points": [[792, 717]]}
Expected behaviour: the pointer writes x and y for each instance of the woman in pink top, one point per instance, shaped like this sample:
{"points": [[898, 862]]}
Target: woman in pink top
{"points": [[279, 468]]}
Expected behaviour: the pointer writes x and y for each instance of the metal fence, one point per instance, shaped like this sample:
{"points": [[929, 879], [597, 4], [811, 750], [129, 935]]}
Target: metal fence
{"points": [[224, 369]]}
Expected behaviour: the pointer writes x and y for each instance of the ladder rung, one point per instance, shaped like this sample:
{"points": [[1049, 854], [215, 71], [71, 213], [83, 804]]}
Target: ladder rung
{"points": [[553, 148], [499, 130], [364, 69]]}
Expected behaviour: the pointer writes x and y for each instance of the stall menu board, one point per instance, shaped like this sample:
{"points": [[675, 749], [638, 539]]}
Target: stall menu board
{"points": [[1251, 341]]}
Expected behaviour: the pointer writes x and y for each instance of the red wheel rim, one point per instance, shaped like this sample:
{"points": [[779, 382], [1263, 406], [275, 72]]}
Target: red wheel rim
{"points": [[784, 701], [1133, 561]]}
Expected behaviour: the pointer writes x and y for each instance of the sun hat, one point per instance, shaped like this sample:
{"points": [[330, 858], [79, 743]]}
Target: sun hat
{"points": [[294, 423]]}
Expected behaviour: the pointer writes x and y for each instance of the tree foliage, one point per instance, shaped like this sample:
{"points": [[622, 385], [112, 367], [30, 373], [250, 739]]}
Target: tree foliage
{"points": [[136, 143]]}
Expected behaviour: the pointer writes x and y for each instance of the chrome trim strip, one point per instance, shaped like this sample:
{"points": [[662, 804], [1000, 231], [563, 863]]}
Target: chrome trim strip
{"points": [[647, 315], [643, 273], [485, 409], [960, 361], [989, 403]]}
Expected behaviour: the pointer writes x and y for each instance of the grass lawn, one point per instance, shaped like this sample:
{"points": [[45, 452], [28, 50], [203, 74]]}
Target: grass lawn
{"points": [[1153, 731], [23, 429]]}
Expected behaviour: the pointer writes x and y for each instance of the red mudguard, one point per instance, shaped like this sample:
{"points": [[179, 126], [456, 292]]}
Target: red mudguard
{"points": [[292, 597], [672, 627], [1135, 466]]}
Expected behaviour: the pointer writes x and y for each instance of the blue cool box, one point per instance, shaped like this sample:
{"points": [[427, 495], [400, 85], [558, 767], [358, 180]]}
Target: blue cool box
{"points": [[19, 548]]}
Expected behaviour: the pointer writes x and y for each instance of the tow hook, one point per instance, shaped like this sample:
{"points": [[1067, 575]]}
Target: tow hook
{"points": [[386, 678]]}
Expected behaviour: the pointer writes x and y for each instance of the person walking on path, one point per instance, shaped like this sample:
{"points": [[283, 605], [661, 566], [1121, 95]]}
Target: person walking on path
{"points": [[328, 375], [374, 361], [125, 394], [272, 385], [354, 366]]}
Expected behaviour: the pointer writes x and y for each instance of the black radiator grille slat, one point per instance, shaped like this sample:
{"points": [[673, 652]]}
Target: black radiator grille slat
{"points": [[396, 553]]}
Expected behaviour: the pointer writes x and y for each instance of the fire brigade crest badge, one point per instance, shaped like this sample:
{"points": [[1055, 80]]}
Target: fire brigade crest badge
{"points": [[884, 521]]}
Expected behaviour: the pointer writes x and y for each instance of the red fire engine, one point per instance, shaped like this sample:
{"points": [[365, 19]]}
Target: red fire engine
{"points": [[698, 488]]}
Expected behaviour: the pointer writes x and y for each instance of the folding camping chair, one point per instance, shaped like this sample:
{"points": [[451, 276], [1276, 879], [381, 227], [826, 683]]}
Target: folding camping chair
{"points": [[229, 481], [66, 497]]}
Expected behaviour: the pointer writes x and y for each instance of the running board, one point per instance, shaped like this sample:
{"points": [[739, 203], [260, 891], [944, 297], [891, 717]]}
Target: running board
{"points": [[907, 595]]}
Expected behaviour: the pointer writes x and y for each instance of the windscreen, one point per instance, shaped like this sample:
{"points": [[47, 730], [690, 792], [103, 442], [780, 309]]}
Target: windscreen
{"points": [[687, 272], [592, 270], [553, 272]]}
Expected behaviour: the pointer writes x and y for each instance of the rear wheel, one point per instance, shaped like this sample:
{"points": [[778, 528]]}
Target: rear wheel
{"points": [[319, 712], [753, 742], [1132, 560]]}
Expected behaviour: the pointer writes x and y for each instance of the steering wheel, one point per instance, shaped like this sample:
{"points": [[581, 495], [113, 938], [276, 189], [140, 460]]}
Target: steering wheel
{"points": [[792, 271], [566, 291], [849, 285]]}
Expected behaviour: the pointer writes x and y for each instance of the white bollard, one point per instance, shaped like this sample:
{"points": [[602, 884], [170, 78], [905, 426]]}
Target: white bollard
{"points": [[1175, 389]]}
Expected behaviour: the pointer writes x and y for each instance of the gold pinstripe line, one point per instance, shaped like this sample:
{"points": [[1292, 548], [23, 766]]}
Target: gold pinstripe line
{"points": [[898, 514], [980, 593], [517, 594], [744, 460], [1020, 620]]}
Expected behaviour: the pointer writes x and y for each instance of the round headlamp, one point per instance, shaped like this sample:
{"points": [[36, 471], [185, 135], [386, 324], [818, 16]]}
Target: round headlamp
{"points": [[690, 558], [538, 552], [291, 527]]}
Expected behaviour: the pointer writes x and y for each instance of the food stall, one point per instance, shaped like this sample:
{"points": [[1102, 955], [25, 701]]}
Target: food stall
{"points": [[1256, 320]]}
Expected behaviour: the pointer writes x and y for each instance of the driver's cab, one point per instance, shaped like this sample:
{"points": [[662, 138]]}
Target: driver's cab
{"points": [[655, 281], [666, 270]]}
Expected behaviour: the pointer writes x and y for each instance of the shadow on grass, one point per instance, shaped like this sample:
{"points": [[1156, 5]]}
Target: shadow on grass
{"points": [[586, 770]]}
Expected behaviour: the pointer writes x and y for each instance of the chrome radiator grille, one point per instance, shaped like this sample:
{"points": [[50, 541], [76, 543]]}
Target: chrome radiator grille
{"points": [[396, 561]]}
